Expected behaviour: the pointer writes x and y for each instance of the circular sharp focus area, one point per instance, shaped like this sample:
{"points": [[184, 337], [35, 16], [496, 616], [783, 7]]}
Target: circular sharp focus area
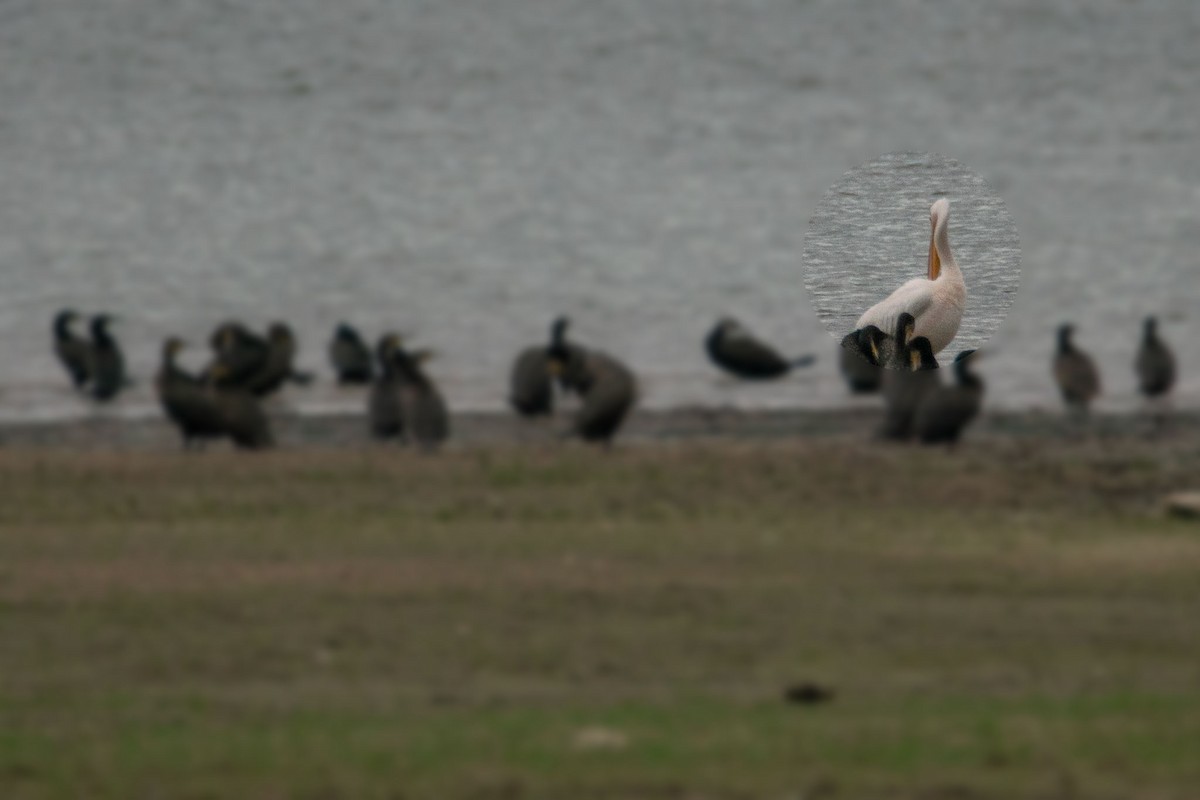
{"points": [[914, 233]]}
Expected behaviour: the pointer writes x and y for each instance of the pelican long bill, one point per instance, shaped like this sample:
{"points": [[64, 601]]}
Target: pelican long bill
{"points": [[935, 263]]}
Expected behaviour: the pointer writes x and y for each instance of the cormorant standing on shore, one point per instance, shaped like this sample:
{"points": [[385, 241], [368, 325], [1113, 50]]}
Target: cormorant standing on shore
{"points": [[1075, 372], [426, 419], [947, 410], [384, 414], [911, 375], [1155, 363], [607, 387], [185, 399], [72, 350], [531, 389], [107, 364], [350, 356]]}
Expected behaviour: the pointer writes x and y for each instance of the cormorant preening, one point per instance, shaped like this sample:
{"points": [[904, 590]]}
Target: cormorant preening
{"points": [[425, 417], [607, 387], [911, 374], [733, 348], [72, 350], [240, 354], [1075, 373], [383, 402], [946, 410], [531, 389], [106, 364], [186, 400], [920, 355], [241, 417], [254, 363], [350, 356], [277, 367], [1155, 363]]}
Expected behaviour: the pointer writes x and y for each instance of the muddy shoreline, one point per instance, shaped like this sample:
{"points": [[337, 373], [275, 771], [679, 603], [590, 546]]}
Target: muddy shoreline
{"points": [[645, 428]]}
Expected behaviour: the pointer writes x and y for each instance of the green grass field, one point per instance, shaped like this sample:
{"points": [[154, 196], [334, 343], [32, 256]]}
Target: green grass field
{"points": [[1001, 622]]}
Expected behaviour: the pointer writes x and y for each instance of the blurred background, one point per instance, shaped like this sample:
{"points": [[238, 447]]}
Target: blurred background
{"points": [[465, 171]]}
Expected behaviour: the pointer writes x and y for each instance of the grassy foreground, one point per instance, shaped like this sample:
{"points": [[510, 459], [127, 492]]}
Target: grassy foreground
{"points": [[560, 623]]}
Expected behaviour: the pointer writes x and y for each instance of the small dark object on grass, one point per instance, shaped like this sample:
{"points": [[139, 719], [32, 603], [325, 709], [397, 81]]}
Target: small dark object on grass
{"points": [[807, 694]]}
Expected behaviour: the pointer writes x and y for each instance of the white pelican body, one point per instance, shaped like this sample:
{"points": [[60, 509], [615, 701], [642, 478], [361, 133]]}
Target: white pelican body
{"points": [[937, 301]]}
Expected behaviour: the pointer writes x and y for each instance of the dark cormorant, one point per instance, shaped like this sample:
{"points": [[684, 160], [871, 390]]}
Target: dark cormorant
{"points": [[106, 364], [947, 410], [1155, 363], [733, 348], [72, 350], [350, 356], [185, 399], [607, 387], [426, 419], [531, 389], [911, 374], [1075, 373], [859, 360], [277, 367], [383, 402], [240, 414], [240, 353]]}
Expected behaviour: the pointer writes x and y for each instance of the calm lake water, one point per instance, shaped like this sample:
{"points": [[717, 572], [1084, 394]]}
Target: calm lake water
{"points": [[465, 171]]}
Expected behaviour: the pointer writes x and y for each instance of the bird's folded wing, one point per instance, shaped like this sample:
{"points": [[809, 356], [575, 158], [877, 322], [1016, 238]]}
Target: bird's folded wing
{"points": [[915, 297]]}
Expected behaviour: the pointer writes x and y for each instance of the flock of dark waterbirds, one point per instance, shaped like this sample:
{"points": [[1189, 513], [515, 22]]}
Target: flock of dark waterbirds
{"points": [[223, 400], [904, 369], [1079, 380]]}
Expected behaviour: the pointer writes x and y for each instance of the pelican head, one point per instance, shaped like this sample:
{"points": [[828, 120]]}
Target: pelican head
{"points": [[1150, 326], [939, 213], [1064, 335]]}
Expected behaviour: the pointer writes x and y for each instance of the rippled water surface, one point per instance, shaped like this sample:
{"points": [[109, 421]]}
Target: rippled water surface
{"points": [[465, 171]]}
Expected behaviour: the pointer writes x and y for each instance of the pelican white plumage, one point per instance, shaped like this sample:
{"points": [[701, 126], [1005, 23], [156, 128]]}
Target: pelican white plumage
{"points": [[936, 301]]}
